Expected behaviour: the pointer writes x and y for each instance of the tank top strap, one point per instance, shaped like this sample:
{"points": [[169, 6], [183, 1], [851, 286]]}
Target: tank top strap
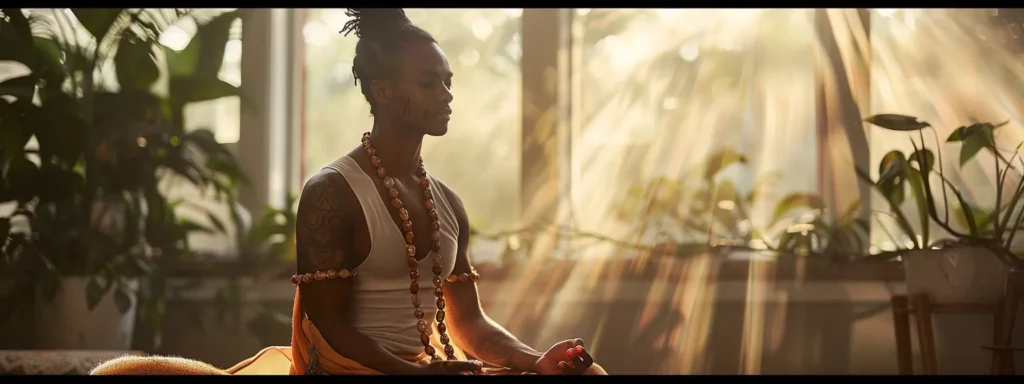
{"points": [[378, 220]]}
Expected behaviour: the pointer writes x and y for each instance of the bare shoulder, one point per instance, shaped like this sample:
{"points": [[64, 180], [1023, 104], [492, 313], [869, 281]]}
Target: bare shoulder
{"points": [[454, 200], [322, 227]]}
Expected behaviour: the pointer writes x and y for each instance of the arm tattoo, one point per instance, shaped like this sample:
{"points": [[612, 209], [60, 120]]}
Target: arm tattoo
{"points": [[320, 226], [497, 346]]}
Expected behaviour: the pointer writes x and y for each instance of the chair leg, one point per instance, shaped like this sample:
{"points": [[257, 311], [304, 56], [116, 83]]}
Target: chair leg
{"points": [[901, 324], [925, 335], [1006, 320]]}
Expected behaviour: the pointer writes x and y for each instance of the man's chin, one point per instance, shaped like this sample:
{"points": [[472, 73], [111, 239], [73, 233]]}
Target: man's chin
{"points": [[438, 130]]}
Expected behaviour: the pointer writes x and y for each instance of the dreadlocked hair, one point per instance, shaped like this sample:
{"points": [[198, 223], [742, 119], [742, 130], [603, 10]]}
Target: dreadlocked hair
{"points": [[381, 33]]}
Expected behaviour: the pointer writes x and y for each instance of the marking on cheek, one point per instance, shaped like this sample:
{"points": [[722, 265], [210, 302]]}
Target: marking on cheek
{"points": [[407, 106]]}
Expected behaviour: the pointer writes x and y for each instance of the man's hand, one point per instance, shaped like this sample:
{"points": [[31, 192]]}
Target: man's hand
{"points": [[454, 367], [564, 358]]}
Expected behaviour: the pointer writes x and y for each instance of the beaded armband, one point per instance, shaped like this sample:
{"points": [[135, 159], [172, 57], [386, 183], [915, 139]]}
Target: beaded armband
{"points": [[323, 275], [471, 276]]}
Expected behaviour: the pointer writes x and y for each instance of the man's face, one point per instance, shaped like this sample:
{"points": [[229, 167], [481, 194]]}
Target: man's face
{"points": [[422, 90]]}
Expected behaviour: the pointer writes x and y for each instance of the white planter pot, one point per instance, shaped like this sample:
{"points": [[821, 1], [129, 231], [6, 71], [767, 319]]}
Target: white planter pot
{"points": [[955, 275], [67, 323]]}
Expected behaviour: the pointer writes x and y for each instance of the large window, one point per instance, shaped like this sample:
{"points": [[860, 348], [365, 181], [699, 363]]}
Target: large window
{"points": [[655, 95], [480, 155], [664, 90]]}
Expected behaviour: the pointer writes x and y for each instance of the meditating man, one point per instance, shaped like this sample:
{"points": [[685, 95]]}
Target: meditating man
{"points": [[385, 284]]}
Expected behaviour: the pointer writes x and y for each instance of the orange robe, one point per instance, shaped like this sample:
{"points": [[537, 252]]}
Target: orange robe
{"points": [[291, 360]]}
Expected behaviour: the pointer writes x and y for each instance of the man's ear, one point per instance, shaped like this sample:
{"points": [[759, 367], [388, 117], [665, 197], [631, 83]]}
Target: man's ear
{"points": [[381, 91]]}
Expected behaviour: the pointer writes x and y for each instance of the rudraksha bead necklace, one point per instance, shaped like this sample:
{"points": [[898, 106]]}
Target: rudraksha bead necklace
{"points": [[410, 250]]}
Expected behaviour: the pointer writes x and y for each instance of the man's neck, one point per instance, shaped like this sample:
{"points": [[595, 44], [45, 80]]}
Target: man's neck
{"points": [[399, 152]]}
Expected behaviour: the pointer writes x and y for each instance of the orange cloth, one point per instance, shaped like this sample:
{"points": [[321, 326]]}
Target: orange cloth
{"points": [[293, 360]]}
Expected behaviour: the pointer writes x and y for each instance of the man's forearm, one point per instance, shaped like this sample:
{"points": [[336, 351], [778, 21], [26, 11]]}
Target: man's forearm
{"points": [[494, 345]]}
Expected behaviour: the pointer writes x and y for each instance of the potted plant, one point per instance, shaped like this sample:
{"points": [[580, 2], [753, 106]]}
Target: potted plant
{"points": [[972, 263], [703, 209], [91, 220]]}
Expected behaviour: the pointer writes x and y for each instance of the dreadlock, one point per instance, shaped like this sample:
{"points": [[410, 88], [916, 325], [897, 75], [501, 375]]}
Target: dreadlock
{"points": [[381, 32]]}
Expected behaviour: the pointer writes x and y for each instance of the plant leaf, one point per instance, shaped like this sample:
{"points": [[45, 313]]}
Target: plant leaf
{"points": [[974, 143], [123, 301], [924, 158], [196, 89], [897, 122], [23, 88], [891, 177], [97, 20], [212, 38], [797, 200], [136, 64], [917, 188], [720, 160], [93, 293]]}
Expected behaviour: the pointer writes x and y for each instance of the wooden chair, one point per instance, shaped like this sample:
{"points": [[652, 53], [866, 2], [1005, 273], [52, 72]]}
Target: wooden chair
{"points": [[1004, 315]]}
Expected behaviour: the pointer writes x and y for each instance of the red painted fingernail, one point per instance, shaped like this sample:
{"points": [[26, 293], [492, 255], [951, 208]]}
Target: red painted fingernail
{"points": [[570, 352], [579, 349], [561, 365]]}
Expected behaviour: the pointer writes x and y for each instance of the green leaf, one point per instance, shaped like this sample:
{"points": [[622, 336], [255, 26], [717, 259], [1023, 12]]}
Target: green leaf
{"points": [[123, 301], [720, 160], [21, 179], [14, 132], [924, 158], [901, 219], [93, 293], [212, 38], [97, 20], [23, 87], [797, 200], [196, 89], [969, 215], [973, 144], [182, 64], [60, 130], [897, 122], [917, 189], [962, 133], [891, 176], [136, 64]]}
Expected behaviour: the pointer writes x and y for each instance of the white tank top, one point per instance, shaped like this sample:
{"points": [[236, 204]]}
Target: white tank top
{"points": [[382, 304]]}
